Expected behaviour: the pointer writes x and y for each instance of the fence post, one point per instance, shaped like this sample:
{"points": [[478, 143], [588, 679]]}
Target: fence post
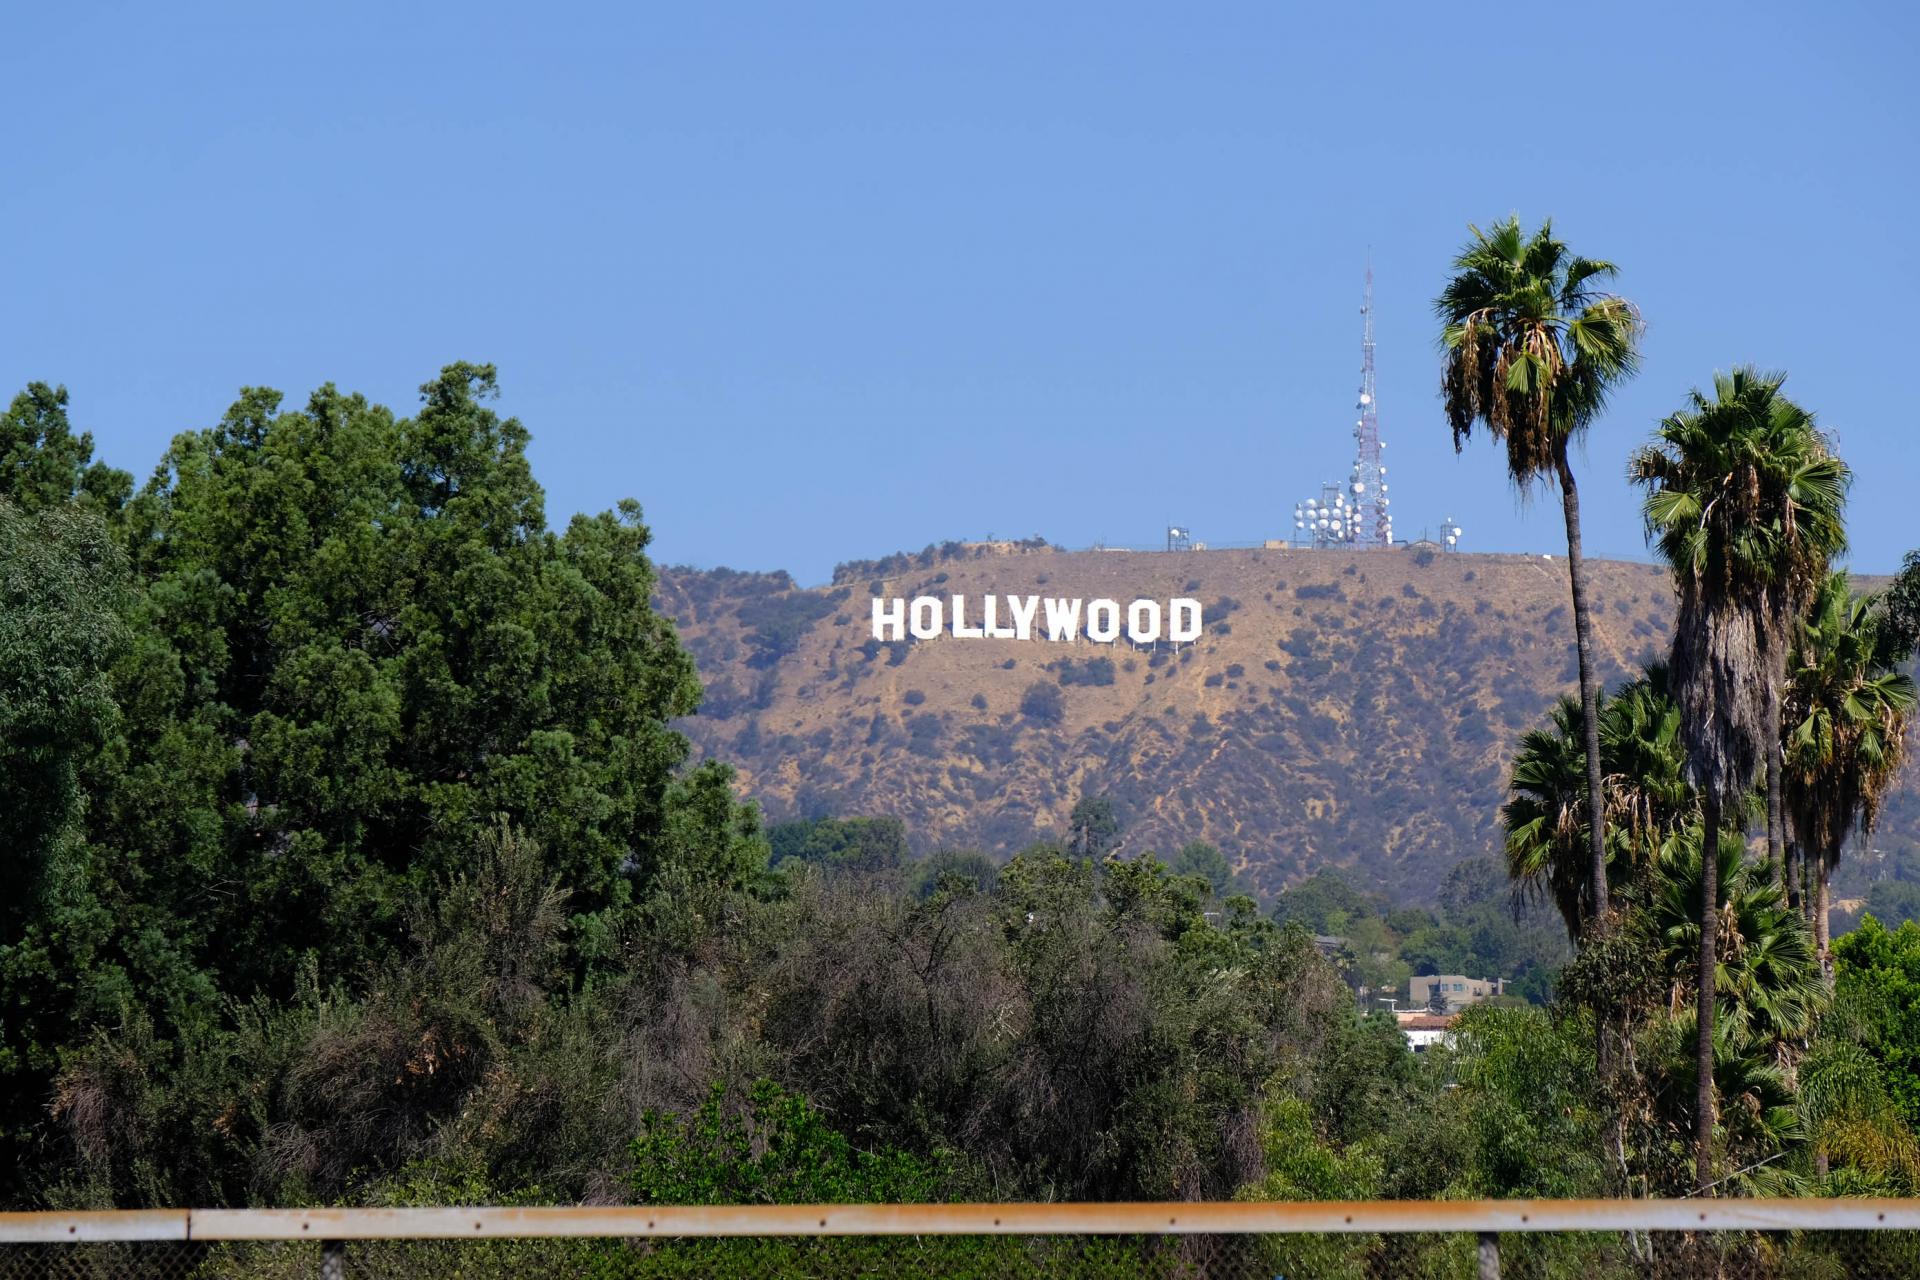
{"points": [[333, 1260], [1489, 1256]]}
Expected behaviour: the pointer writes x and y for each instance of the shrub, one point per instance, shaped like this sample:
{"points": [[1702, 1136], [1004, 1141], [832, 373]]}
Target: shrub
{"points": [[1094, 671], [781, 1152], [1042, 703]]}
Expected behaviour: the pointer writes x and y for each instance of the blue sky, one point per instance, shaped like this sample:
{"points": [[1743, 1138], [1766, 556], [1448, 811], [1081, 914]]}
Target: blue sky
{"points": [[816, 282]]}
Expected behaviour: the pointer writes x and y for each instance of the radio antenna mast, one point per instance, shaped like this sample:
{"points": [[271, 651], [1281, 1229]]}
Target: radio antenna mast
{"points": [[1371, 524]]}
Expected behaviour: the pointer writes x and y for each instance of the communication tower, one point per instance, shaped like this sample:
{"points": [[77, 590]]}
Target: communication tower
{"points": [[1354, 514], [1367, 483]]}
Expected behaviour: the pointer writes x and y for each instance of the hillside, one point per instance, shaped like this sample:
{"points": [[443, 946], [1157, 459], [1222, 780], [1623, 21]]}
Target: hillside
{"points": [[1352, 708]]}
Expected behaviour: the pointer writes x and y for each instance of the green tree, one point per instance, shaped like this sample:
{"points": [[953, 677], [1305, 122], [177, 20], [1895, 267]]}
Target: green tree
{"points": [[1533, 348], [1198, 858], [62, 594], [843, 844], [44, 464], [1744, 504], [1901, 603], [1325, 902], [1877, 979], [1093, 831], [360, 643]]}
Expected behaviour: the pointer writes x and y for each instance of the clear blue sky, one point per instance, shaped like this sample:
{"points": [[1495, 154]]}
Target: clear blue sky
{"points": [[816, 282]]}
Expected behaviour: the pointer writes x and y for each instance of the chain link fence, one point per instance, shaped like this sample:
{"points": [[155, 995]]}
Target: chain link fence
{"points": [[1237, 1255]]}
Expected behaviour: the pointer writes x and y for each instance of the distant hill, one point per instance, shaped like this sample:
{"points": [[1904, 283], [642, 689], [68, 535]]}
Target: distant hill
{"points": [[1346, 708]]}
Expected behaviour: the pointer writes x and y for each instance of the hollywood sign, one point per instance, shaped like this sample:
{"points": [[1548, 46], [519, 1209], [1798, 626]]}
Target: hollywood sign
{"points": [[1028, 617]]}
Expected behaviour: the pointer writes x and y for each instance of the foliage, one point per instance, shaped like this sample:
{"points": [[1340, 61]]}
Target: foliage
{"points": [[1744, 501], [1902, 604], [1533, 349], [1200, 859], [1476, 931], [1877, 979], [1845, 717], [44, 465], [843, 844], [1532, 346], [1094, 671], [1042, 703], [61, 597], [780, 1151], [779, 622], [329, 650], [1767, 977], [357, 860], [1092, 828], [1644, 793]]}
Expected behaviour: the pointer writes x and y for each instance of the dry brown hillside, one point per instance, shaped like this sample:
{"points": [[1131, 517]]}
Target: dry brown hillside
{"points": [[1345, 707]]}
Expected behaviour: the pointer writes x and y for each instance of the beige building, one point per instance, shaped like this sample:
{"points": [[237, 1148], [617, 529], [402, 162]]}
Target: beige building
{"points": [[1459, 991]]}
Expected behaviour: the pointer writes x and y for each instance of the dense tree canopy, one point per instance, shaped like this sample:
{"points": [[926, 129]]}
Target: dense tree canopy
{"points": [[319, 654], [354, 856]]}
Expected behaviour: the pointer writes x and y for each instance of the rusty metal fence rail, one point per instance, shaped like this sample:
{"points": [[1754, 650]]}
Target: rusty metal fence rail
{"points": [[1587, 1239]]}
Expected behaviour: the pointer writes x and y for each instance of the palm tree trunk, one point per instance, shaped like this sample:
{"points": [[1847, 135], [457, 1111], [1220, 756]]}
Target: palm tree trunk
{"points": [[1776, 820], [1807, 895], [1709, 925], [1795, 896], [1590, 734], [1589, 681], [1822, 926]]}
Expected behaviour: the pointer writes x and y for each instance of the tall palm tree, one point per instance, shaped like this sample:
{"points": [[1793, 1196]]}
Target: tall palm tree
{"points": [[1744, 504], [1646, 797], [1533, 347], [1847, 709]]}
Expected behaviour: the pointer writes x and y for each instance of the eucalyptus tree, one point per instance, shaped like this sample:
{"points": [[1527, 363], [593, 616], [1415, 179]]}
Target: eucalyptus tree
{"points": [[1744, 504], [1532, 349], [1847, 709]]}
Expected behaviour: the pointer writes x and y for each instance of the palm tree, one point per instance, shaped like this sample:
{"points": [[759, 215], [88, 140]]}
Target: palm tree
{"points": [[1532, 351], [1847, 708], [1766, 976], [1744, 504], [1546, 818], [1768, 990], [1646, 797]]}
